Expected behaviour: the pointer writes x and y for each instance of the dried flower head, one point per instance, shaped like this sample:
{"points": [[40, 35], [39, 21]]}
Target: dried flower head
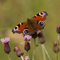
{"points": [[6, 44]]}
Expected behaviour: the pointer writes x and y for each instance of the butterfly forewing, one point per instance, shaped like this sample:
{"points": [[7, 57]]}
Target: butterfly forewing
{"points": [[19, 28], [40, 16]]}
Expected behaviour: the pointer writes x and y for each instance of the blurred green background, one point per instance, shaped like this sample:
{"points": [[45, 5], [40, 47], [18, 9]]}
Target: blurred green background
{"points": [[13, 12]]}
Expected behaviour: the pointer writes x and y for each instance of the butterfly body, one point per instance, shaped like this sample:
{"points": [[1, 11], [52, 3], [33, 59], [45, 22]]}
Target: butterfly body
{"points": [[31, 25]]}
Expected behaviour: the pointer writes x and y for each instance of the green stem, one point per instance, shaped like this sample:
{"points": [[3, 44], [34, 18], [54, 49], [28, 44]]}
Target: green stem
{"points": [[28, 55], [8, 56], [43, 52], [57, 47], [46, 52], [34, 49], [22, 58], [38, 42]]}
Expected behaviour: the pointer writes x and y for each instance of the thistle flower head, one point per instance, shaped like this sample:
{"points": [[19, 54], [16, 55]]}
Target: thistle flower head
{"points": [[28, 37], [6, 44], [27, 45], [6, 40]]}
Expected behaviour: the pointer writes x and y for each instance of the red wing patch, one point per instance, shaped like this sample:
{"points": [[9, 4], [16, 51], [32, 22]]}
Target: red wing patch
{"points": [[19, 28], [40, 16]]}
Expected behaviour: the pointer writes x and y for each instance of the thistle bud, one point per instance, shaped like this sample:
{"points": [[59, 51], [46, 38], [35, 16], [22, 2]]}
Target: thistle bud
{"points": [[6, 44], [42, 40], [34, 35], [58, 29], [55, 47], [19, 53], [40, 34]]}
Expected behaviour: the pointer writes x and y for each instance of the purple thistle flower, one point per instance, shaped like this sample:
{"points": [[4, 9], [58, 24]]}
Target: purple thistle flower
{"points": [[6, 40], [26, 58], [6, 44], [27, 45], [28, 37]]}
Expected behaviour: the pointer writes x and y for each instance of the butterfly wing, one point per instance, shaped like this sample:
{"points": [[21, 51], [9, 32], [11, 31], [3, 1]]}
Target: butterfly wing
{"points": [[40, 16], [32, 26], [19, 28]]}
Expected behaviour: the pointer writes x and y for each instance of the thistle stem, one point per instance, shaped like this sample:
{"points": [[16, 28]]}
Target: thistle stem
{"points": [[22, 58], [28, 55], [34, 49], [43, 52], [58, 38], [38, 42], [8, 56], [57, 47], [46, 52]]}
